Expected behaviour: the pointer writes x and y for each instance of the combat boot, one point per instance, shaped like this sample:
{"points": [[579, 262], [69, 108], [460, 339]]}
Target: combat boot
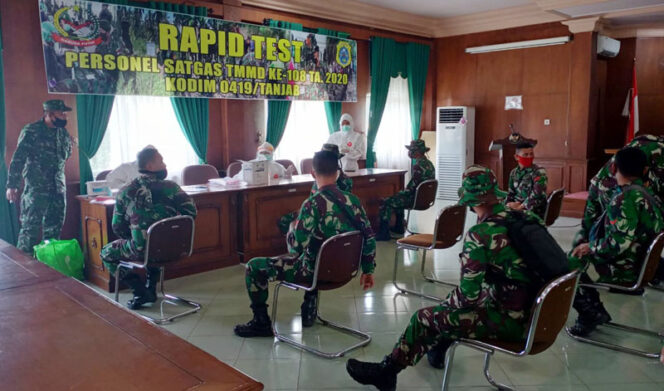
{"points": [[139, 291], [259, 326], [152, 276], [309, 308], [382, 375], [588, 321], [436, 355], [383, 234]]}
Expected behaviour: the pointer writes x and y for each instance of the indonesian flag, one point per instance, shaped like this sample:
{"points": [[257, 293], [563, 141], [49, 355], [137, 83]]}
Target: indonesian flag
{"points": [[631, 108]]}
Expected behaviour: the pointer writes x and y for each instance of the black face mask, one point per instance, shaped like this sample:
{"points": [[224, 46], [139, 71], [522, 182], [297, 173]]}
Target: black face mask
{"points": [[161, 174], [59, 123]]}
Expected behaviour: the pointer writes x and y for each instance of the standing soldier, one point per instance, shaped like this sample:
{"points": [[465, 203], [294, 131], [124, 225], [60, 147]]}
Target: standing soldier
{"points": [[527, 186], [43, 148], [422, 170], [324, 214], [618, 242], [144, 201], [493, 298]]}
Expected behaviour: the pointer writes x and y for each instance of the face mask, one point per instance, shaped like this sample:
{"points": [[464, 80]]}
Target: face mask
{"points": [[161, 174], [263, 156], [525, 161], [59, 123], [345, 128]]}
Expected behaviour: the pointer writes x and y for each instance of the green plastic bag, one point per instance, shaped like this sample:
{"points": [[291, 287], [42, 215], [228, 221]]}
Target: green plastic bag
{"points": [[64, 256]]}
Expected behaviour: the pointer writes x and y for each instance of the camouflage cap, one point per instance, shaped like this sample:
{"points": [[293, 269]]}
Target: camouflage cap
{"points": [[479, 186], [334, 148], [56, 105], [417, 146]]}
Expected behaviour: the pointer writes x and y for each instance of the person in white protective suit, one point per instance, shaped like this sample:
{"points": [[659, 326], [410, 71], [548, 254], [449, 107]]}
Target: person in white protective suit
{"points": [[350, 141]]}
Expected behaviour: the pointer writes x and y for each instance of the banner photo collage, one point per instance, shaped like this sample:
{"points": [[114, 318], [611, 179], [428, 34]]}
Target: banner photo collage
{"points": [[108, 49]]}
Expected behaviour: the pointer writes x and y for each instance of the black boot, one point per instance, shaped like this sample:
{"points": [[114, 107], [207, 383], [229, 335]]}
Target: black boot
{"points": [[398, 226], [152, 276], [436, 355], [138, 288], [309, 308], [383, 233], [382, 375], [259, 326], [588, 321]]}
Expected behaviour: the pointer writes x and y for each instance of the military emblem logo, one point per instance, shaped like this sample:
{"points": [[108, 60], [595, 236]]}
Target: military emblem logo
{"points": [[343, 54]]}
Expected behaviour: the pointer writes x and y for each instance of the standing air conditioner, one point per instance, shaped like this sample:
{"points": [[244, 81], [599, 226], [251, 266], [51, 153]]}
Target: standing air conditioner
{"points": [[455, 148]]}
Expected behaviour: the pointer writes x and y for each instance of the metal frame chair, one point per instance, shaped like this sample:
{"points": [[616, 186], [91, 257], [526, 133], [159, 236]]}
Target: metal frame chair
{"points": [[548, 316], [448, 230], [182, 241], [425, 197], [554, 205], [648, 270], [337, 263]]}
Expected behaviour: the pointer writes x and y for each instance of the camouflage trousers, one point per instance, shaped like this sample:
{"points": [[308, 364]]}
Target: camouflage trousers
{"points": [[119, 250], [431, 325], [397, 203], [260, 271], [623, 270], [40, 213]]}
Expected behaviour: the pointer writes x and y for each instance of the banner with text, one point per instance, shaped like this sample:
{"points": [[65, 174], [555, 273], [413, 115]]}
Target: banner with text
{"points": [[97, 48]]}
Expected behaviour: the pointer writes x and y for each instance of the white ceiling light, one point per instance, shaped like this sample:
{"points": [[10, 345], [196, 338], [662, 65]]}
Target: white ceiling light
{"points": [[518, 45]]}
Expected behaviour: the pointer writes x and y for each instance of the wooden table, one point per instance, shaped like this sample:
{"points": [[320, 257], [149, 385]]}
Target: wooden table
{"points": [[58, 334], [233, 223]]}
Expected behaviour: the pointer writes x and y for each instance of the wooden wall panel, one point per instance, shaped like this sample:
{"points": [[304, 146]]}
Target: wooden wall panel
{"points": [[551, 138], [650, 78]]}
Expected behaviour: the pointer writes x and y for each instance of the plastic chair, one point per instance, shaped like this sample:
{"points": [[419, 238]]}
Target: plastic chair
{"points": [[554, 205], [102, 175], [447, 232], [233, 169], [648, 270], [287, 163], [337, 263], [547, 317], [425, 197], [198, 174], [168, 240], [306, 165]]}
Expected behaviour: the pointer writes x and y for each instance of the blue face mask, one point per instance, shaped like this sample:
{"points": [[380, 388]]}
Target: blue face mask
{"points": [[264, 156], [345, 128]]}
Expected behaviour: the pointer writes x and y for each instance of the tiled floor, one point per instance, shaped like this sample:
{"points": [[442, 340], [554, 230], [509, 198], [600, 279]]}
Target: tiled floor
{"points": [[568, 365]]}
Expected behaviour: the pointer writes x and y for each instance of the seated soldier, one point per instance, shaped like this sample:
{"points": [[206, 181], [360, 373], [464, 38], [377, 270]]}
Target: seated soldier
{"points": [[493, 299], [527, 185], [344, 183], [326, 213], [144, 201], [422, 170], [619, 240], [124, 173]]}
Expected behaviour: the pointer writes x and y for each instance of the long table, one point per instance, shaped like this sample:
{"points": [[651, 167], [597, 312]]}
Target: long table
{"points": [[58, 334], [234, 224]]}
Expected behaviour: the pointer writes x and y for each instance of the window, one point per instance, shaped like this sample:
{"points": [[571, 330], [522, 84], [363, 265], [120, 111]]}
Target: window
{"points": [[137, 121], [306, 132], [394, 130]]}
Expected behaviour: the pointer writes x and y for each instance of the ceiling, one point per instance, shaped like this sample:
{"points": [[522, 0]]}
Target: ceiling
{"points": [[445, 8]]}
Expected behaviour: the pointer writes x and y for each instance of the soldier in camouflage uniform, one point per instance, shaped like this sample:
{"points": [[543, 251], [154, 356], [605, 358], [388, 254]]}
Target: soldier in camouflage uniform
{"points": [[324, 214], [527, 185], [144, 201], [422, 170], [493, 298], [633, 219], [43, 148], [344, 183]]}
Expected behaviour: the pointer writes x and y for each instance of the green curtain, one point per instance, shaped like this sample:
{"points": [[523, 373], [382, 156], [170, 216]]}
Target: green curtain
{"points": [[8, 216], [92, 114], [278, 110], [332, 109], [417, 66], [193, 117], [384, 58]]}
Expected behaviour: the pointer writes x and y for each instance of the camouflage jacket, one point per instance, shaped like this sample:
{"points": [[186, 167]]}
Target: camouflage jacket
{"points": [[493, 275], [344, 183], [320, 218], [528, 186], [422, 170], [631, 223], [144, 201], [40, 158], [604, 184]]}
